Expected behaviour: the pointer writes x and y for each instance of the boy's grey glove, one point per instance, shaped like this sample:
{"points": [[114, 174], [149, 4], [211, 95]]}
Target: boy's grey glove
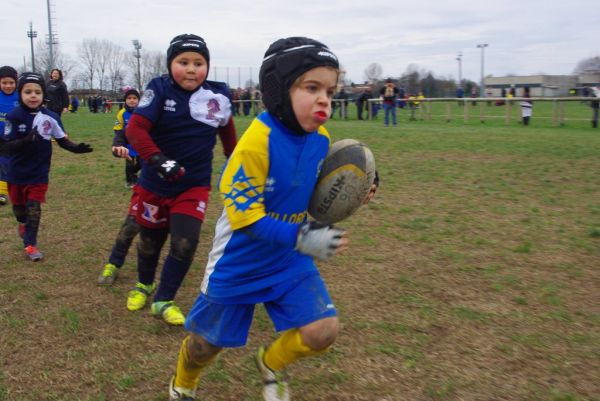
{"points": [[318, 240]]}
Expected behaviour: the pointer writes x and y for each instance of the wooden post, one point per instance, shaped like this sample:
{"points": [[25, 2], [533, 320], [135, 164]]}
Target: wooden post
{"points": [[554, 112], [466, 111], [448, 112], [481, 112], [562, 113]]}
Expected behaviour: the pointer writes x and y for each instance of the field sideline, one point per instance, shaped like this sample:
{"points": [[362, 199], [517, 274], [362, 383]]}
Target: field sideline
{"points": [[472, 275]]}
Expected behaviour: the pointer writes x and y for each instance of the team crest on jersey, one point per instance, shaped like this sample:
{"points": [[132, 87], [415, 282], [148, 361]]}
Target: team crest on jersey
{"points": [[147, 98], [243, 192], [47, 127], [210, 107], [270, 184], [169, 105], [7, 128]]}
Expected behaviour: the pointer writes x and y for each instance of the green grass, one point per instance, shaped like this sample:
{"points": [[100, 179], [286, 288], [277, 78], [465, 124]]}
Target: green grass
{"points": [[473, 274]]}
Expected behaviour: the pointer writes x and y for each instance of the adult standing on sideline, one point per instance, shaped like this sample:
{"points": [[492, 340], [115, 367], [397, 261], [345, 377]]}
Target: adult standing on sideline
{"points": [[361, 101], [595, 104], [389, 92], [526, 106], [57, 93]]}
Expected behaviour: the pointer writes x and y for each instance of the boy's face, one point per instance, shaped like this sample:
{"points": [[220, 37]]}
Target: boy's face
{"points": [[132, 101], [7, 85], [311, 97], [32, 95], [189, 70]]}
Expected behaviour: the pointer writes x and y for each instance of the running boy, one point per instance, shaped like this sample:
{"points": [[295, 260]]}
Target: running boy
{"points": [[174, 129], [264, 246], [8, 101], [121, 147], [130, 228], [27, 134]]}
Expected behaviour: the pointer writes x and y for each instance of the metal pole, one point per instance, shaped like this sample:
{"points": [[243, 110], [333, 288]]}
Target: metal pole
{"points": [[50, 38], [32, 34], [482, 90], [459, 59], [137, 46]]}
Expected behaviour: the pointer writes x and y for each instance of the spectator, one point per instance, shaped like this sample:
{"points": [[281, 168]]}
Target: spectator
{"points": [[595, 104], [401, 97], [343, 104], [74, 104], [362, 101], [526, 106], [246, 102], [57, 95], [389, 92]]}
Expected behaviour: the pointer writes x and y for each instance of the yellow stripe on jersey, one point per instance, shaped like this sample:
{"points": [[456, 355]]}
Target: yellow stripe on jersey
{"points": [[120, 122], [243, 180]]}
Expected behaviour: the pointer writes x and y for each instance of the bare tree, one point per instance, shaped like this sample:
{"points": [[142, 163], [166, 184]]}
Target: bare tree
{"points": [[42, 60], [373, 72], [115, 67], [155, 64], [588, 66], [88, 54], [103, 60]]}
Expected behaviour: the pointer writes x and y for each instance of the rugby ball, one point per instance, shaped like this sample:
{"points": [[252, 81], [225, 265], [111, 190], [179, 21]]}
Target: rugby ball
{"points": [[345, 180]]}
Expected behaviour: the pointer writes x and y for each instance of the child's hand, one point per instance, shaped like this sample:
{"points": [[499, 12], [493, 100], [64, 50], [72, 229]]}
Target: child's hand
{"points": [[371, 194], [168, 170], [321, 241], [121, 151], [373, 189]]}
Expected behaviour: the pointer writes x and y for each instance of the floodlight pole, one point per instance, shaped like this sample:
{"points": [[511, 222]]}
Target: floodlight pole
{"points": [[459, 59], [482, 46], [137, 45], [32, 34]]}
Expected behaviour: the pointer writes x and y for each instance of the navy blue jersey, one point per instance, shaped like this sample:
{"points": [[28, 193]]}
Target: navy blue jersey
{"points": [[31, 164], [184, 127]]}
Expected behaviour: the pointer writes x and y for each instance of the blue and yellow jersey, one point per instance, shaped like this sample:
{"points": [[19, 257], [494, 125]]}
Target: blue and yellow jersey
{"points": [[7, 103], [266, 186], [121, 122]]}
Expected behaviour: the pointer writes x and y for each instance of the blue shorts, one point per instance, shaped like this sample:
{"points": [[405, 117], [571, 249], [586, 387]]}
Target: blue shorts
{"points": [[301, 301]]}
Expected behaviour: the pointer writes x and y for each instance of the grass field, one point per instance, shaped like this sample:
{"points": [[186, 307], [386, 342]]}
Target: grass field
{"points": [[472, 275]]}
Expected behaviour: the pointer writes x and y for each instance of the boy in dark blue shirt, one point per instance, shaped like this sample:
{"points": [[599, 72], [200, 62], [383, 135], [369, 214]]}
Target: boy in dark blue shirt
{"points": [[174, 130], [27, 140]]}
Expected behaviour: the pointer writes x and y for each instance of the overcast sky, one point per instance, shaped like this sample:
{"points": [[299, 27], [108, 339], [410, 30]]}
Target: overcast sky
{"points": [[525, 37]]}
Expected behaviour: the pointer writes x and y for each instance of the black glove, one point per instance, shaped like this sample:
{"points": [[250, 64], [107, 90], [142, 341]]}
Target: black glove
{"points": [[167, 169], [82, 148], [66, 144], [318, 239]]}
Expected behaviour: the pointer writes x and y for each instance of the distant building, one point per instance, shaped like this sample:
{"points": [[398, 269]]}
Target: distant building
{"points": [[541, 85]]}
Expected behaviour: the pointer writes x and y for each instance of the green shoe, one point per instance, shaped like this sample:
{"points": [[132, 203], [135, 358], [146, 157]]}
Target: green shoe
{"points": [[109, 274], [169, 312], [137, 297]]}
